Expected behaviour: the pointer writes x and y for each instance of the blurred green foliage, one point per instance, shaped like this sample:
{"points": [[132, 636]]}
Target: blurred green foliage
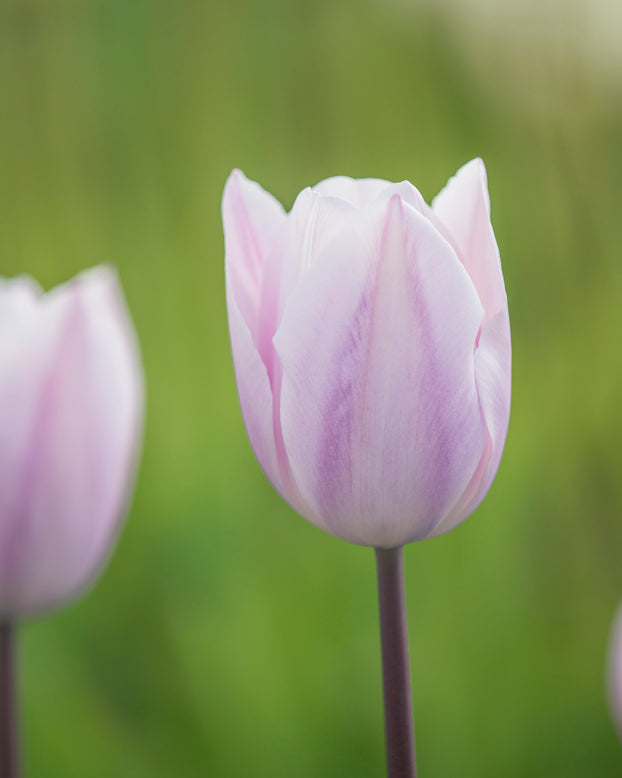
{"points": [[228, 637]]}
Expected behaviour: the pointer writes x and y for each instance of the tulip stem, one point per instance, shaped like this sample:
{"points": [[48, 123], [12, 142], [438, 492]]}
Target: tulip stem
{"points": [[8, 703], [398, 715]]}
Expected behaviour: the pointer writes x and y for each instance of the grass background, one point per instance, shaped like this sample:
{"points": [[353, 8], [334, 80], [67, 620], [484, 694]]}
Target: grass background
{"points": [[228, 637]]}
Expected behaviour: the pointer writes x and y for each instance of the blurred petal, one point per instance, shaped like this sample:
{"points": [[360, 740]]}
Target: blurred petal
{"points": [[70, 414], [463, 207], [28, 348], [379, 412], [614, 673], [18, 298]]}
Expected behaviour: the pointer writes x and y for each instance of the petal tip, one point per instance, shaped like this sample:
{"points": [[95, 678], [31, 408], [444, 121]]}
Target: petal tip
{"points": [[234, 181]]}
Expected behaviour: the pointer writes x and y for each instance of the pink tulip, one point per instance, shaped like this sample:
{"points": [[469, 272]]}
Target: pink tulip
{"points": [[614, 670], [71, 406], [371, 345]]}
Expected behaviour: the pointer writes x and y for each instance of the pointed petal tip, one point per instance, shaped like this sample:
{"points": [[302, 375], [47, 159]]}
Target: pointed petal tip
{"points": [[248, 191], [234, 180], [236, 175], [476, 170]]}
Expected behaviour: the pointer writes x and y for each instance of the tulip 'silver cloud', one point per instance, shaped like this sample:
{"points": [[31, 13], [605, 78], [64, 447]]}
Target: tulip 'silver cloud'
{"points": [[371, 345], [71, 408]]}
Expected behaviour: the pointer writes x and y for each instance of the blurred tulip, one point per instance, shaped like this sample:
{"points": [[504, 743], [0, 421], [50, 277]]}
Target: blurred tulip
{"points": [[614, 672], [71, 407], [371, 345]]}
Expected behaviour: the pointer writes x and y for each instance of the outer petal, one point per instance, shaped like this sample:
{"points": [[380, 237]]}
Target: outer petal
{"points": [[255, 393], [463, 207], [75, 434], [493, 367], [30, 334], [312, 221], [252, 221], [378, 339]]}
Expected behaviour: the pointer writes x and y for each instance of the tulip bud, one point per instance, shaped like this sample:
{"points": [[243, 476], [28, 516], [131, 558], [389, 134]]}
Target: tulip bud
{"points": [[371, 345], [614, 673], [71, 407]]}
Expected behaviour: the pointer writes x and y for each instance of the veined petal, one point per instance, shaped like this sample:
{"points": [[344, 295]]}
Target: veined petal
{"points": [[463, 207], [378, 339]]}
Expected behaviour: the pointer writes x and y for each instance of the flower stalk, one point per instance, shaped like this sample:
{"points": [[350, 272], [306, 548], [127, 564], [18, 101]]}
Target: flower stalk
{"points": [[399, 727], [9, 764]]}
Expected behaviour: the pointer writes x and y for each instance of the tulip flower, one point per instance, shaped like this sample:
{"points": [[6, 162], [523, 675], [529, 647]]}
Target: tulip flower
{"points": [[371, 346], [614, 673], [71, 407]]}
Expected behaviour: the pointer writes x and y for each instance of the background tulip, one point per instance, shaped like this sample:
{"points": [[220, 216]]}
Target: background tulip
{"points": [[371, 344], [614, 673], [71, 406]]}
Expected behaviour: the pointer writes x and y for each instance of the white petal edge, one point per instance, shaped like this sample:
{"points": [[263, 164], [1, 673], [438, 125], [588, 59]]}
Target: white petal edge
{"points": [[463, 207]]}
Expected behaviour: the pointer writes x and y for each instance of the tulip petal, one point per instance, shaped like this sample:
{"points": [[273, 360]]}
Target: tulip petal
{"points": [[314, 221], [255, 225], [252, 219], [75, 433], [359, 192], [18, 298], [378, 339], [258, 372], [255, 393], [493, 367], [29, 341], [463, 207]]}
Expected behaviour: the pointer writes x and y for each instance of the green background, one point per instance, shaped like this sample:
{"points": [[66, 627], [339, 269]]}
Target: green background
{"points": [[228, 637]]}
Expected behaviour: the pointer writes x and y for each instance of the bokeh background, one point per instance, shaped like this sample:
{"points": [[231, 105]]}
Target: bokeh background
{"points": [[228, 637]]}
